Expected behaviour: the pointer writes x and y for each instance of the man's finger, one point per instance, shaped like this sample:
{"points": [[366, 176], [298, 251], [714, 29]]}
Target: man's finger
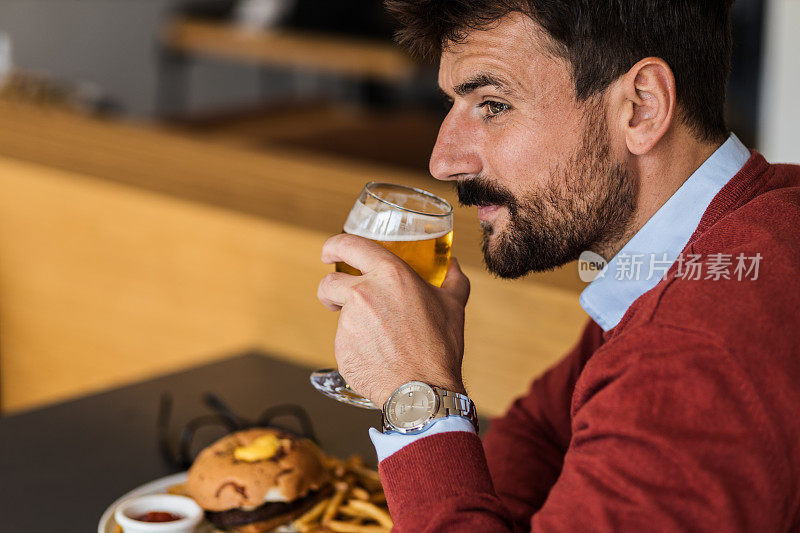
{"points": [[456, 282], [334, 288], [358, 252]]}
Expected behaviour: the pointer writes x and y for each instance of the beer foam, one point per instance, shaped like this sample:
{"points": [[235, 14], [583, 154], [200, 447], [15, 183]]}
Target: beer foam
{"points": [[397, 238], [395, 225]]}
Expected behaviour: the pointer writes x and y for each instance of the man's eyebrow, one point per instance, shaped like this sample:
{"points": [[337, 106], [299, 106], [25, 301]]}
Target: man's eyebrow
{"points": [[483, 79]]}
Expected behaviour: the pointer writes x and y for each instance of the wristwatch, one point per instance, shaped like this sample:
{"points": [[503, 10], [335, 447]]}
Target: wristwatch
{"points": [[413, 406]]}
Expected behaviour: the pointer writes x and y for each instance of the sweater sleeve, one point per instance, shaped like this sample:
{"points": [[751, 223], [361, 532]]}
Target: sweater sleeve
{"points": [[666, 436], [389, 443]]}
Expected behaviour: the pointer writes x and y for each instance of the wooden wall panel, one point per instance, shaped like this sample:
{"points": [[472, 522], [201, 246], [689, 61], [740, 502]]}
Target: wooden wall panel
{"points": [[103, 283]]}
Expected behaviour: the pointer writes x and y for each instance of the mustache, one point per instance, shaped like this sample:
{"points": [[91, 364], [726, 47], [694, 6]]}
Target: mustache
{"points": [[480, 192]]}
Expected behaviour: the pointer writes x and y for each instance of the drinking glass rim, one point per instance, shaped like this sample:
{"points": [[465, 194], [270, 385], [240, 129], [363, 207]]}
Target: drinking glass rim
{"points": [[415, 189]]}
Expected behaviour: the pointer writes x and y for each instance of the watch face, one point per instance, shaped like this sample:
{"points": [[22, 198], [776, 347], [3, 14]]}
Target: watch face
{"points": [[411, 406]]}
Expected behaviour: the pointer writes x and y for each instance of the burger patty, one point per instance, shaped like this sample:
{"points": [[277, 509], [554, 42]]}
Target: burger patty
{"points": [[268, 510]]}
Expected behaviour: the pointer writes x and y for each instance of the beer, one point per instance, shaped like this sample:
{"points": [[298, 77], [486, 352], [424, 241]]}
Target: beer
{"points": [[428, 256], [413, 224]]}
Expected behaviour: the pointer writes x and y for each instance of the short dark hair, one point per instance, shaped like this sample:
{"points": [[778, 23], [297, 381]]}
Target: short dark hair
{"points": [[602, 40]]}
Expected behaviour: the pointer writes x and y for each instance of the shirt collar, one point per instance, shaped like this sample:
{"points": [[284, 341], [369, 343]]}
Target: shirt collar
{"points": [[643, 261]]}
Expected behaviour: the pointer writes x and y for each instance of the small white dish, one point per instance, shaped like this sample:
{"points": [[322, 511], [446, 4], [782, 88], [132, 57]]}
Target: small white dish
{"points": [[107, 523], [127, 512]]}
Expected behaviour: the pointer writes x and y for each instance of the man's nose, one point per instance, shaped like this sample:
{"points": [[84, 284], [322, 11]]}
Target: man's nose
{"points": [[455, 153]]}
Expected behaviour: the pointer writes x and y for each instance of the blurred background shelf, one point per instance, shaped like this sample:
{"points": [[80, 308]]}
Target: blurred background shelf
{"points": [[295, 49]]}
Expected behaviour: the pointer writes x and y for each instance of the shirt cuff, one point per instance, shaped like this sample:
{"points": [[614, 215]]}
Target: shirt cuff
{"points": [[388, 443]]}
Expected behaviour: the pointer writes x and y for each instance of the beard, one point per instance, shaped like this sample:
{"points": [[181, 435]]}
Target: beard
{"points": [[586, 205]]}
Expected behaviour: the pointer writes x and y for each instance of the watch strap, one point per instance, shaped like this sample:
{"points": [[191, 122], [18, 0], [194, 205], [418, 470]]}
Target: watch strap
{"points": [[454, 403]]}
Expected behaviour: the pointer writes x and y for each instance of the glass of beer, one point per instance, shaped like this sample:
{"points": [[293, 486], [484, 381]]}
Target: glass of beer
{"points": [[413, 224]]}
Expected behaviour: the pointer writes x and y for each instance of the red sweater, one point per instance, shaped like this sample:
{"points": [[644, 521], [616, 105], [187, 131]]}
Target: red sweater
{"points": [[685, 416]]}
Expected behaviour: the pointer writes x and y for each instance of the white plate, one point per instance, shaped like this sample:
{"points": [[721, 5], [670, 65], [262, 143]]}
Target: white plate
{"points": [[159, 486]]}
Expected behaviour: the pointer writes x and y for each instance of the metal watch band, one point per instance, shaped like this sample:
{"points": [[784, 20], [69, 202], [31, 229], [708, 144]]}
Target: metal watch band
{"points": [[453, 403]]}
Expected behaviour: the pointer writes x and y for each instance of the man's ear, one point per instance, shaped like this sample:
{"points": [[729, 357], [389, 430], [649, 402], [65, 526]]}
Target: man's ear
{"points": [[647, 96]]}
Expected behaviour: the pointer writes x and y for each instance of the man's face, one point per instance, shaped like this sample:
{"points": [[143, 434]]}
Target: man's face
{"points": [[539, 165]]}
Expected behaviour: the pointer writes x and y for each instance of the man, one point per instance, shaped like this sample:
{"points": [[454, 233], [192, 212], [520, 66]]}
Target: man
{"points": [[594, 126]]}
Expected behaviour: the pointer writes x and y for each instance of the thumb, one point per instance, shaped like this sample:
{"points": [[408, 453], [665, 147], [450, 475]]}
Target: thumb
{"points": [[456, 282]]}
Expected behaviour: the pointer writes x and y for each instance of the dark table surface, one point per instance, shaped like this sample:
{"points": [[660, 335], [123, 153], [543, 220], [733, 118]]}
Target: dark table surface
{"points": [[62, 465]]}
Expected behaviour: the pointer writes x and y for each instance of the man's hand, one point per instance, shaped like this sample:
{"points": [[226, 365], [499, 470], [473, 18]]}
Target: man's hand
{"points": [[394, 327]]}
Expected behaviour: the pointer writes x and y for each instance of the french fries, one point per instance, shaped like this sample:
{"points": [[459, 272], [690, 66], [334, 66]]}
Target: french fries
{"points": [[345, 527], [312, 514], [371, 510], [359, 493], [342, 488], [358, 504]]}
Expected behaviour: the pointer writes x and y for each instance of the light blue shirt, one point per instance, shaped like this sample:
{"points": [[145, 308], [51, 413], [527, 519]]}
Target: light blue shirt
{"points": [[651, 251], [656, 246]]}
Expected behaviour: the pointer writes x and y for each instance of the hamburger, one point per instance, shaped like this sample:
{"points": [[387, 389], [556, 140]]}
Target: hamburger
{"points": [[255, 480]]}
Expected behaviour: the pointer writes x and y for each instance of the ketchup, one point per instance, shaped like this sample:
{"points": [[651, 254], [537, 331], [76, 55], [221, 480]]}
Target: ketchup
{"points": [[159, 516]]}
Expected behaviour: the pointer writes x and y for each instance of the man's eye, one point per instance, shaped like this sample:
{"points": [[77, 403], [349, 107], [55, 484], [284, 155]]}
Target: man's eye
{"points": [[494, 108]]}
